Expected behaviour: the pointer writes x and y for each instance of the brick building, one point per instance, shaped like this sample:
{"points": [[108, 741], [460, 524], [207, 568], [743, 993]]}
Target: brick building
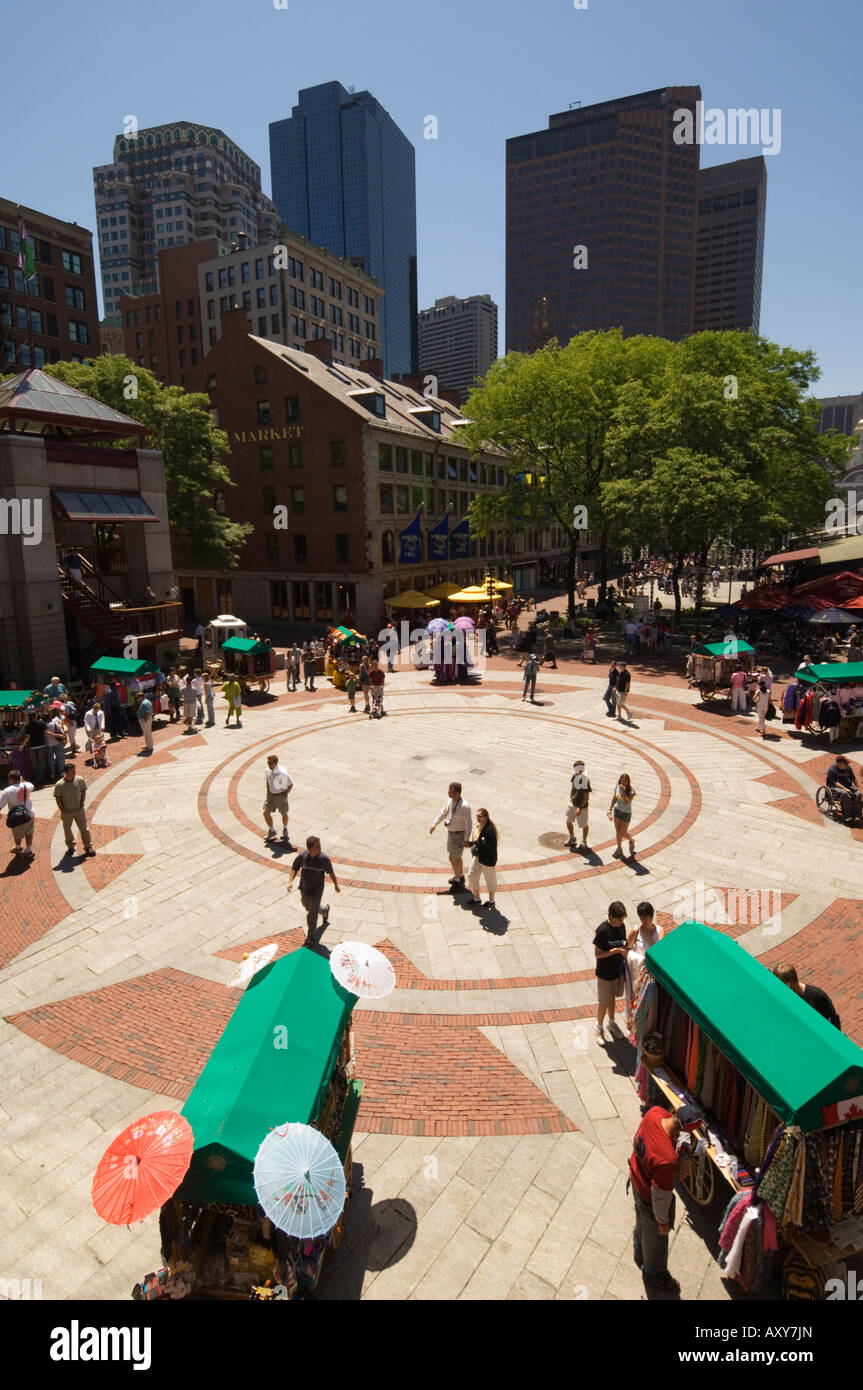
{"points": [[162, 330], [54, 315], [351, 457]]}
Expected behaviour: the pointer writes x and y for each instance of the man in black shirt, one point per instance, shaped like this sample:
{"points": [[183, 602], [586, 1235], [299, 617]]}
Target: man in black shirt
{"points": [[33, 739], [819, 1000], [313, 867], [610, 696], [611, 945]]}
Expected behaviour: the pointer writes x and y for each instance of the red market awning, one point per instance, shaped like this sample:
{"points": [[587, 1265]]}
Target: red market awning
{"points": [[837, 589], [788, 557], [764, 597]]}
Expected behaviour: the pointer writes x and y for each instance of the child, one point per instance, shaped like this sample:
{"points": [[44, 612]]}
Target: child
{"points": [[100, 750], [351, 687]]}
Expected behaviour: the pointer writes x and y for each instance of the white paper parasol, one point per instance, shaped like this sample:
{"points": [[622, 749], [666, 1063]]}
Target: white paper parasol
{"points": [[363, 970], [300, 1181], [250, 965]]}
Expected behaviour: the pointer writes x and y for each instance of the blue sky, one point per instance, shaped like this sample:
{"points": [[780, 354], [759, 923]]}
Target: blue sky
{"points": [[487, 71]]}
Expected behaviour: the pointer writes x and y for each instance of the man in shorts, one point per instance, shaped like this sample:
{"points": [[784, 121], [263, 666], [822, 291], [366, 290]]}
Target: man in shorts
{"points": [[15, 800], [279, 783], [377, 676], [313, 867], [455, 814], [611, 946], [577, 812]]}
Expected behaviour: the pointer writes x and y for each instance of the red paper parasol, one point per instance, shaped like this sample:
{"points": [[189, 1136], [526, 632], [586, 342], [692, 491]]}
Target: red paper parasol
{"points": [[143, 1167]]}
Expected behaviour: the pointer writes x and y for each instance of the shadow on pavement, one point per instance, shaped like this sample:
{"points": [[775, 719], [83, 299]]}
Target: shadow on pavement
{"points": [[377, 1235]]}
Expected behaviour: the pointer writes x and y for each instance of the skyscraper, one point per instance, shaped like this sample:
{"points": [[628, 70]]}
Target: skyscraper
{"points": [[344, 176], [167, 186], [732, 201], [458, 340], [600, 221]]}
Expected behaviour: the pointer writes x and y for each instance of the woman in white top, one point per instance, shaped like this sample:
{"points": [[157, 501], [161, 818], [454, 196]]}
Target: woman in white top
{"points": [[621, 810], [94, 719], [649, 932]]}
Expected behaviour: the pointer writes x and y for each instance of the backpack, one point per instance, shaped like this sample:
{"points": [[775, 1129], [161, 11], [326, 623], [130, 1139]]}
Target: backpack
{"points": [[19, 815]]}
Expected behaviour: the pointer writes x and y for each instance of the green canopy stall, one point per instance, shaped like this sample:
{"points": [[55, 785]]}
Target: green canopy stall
{"points": [[714, 662]]}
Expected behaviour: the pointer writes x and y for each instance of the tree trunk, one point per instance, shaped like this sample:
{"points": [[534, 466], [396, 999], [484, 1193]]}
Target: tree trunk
{"points": [[700, 572], [570, 574], [675, 584], [603, 566]]}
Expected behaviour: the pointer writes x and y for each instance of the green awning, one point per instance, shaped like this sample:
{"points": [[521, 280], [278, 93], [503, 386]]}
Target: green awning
{"points": [[119, 666], [245, 645], [16, 699], [729, 648], [839, 672], [252, 1083], [793, 1057]]}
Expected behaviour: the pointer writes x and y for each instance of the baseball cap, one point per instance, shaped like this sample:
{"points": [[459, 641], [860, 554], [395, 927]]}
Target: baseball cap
{"points": [[578, 763], [689, 1116]]}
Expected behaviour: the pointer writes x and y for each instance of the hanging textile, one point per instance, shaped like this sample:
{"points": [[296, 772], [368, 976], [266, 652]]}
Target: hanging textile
{"points": [[817, 1203], [734, 1262], [777, 1170], [858, 1173], [837, 1177], [703, 1044], [709, 1082], [793, 1213], [692, 1060]]}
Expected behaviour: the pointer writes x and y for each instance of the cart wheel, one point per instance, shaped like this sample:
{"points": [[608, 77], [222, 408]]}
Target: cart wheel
{"points": [[801, 1281], [706, 693], [824, 800], [699, 1186], [265, 685]]}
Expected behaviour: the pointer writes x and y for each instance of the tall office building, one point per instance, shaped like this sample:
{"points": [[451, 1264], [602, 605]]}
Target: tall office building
{"points": [[167, 186], [732, 201], [458, 341], [343, 176], [600, 221]]}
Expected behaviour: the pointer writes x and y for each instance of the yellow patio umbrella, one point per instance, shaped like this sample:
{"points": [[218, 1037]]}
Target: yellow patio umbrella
{"points": [[472, 595], [497, 583], [412, 598], [443, 590]]}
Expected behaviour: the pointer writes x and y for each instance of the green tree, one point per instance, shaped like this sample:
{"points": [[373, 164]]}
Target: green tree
{"points": [[181, 427]]}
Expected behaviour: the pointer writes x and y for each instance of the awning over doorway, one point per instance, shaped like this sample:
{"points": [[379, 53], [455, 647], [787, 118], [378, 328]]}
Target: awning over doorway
{"points": [[103, 506]]}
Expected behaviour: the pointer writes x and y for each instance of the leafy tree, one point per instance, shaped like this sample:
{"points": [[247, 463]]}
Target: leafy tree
{"points": [[182, 428]]}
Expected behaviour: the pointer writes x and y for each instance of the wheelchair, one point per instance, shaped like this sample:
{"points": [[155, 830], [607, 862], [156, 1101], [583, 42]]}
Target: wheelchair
{"points": [[831, 802]]}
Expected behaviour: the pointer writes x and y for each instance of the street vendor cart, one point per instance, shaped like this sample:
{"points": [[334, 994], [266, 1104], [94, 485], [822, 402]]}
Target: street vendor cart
{"points": [[249, 660], [121, 670], [830, 696], [16, 707], [286, 1056], [782, 1092], [216, 633], [714, 662]]}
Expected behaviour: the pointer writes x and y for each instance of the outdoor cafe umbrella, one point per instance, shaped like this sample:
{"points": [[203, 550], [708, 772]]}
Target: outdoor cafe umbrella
{"points": [[833, 616], [363, 970], [142, 1167], [412, 598], [300, 1181], [472, 595], [443, 590]]}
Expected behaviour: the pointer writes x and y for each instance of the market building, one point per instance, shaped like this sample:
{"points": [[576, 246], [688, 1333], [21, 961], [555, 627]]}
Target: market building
{"points": [[62, 492], [331, 466]]}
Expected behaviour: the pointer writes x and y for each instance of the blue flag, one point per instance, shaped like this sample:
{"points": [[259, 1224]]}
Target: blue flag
{"points": [[409, 542], [460, 541], [438, 539]]}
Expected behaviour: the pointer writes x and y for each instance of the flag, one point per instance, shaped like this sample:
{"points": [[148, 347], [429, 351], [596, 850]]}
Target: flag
{"points": [[438, 539], [409, 542], [460, 541], [26, 259]]}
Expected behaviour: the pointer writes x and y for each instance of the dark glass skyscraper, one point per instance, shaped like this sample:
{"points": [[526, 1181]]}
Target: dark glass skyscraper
{"points": [[344, 176], [732, 204]]}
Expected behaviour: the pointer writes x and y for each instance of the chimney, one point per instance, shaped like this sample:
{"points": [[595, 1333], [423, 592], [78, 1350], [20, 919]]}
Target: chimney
{"points": [[374, 366], [234, 322], [321, 348]]}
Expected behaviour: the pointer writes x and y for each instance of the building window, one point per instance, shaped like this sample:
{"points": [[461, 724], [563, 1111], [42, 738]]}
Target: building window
{"points": [[298, 298], [416, 463], [340, 498], [337, 452], [272, 547], [402, 500], [219, 502], [78, 332], [342, 548], [266, 452], [139, 340], [387, 548], [178, 306], [386, 497], [385, 457], [214, 336], [295, 456], [261, 377], [263, 412], [401, 460], [323, 602], [452, 469], [179, 332], [301, 597], [209, 283], [298, 499], [71, 262], [279, 599], [316, 279], [268, 500], [336, 315], [75, 299], [259, 269], [301, 553], [245, 275], [346, 597], [335, 288], [292, 408], [274, 323]]}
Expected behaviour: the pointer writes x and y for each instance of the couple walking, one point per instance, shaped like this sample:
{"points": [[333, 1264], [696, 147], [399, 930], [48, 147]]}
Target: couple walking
{"points": [[620, 810], [616, 695], [456, 816]]}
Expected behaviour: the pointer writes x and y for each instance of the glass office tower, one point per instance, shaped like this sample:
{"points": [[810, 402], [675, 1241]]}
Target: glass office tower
{"points": [[344, 176]]}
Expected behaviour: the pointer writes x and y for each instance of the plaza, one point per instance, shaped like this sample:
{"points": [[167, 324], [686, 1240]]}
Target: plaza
{"points": [[492, 1142]]}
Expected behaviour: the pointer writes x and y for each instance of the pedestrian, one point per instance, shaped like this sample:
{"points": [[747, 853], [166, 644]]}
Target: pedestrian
{"points": [[842, 777], [54, 690], [739, 682], [73, 566], [100, 749], [762, 704], [351, 683], [33, 739], [455, 814], [308, 668], [70, 710], [210, 699], [55, 745], [818, 998], [610, 696], [199, 638], [377, 676], [145, 721], [621, 810], [610, 947], [365, 679], [70, 793], [234, 696], [293, 661], [549, 654], [94, 720], [484, 851], [531, 666], [624, 682], [577, 810], [279, 783], [198, 687], [313, 867], [111, 706], [190, 700], [174, 695], [21, 817], [649, 932], [391, 642], [653, 1167]]}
